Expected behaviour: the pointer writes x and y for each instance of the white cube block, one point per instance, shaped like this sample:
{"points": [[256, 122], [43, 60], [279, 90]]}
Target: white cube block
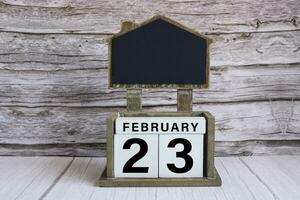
{"points": [[136, 156], [181, 155], [160, 125]]}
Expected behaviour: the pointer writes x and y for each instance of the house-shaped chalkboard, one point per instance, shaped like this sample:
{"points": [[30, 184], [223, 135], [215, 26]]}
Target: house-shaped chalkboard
{"points": [[159, 53]]}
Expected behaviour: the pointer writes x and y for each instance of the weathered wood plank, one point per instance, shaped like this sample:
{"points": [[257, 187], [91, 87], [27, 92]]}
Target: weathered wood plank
{"points": [[58, 149], [59, 125], [234, 122], [257, 147], [272, 175], [78, 16], [223, 148], [30, 177], [85, 88], [53, 73], [66, 52], [52, 52], [256, 48]]}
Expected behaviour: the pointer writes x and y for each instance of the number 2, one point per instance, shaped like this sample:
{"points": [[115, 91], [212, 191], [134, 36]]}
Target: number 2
{"points": [[128, 167]]}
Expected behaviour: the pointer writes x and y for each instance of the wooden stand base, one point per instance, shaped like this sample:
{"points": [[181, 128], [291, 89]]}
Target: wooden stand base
{"points": [[104, 181]]}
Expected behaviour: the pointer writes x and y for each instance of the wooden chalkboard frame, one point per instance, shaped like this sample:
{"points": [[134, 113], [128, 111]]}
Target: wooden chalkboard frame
{"points": [[174, 86]]}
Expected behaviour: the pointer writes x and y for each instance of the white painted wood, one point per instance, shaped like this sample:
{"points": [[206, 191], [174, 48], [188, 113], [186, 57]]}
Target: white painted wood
{"points": [[160, 125], [274, 176], [238, 182], [243, 178], [289, 166], [29, 177], [79, 182], [124, 150], [192, 144]]}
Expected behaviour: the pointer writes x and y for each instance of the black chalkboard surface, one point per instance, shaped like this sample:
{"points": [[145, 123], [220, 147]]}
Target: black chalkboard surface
{"points": [[159, 54]]}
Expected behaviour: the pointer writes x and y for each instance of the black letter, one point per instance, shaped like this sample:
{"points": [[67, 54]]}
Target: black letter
{"points": [[144, 127], [162, 127], [174, 126], [124, 126], [194, 126], [135, 127], [185, 126], [156, 126]]}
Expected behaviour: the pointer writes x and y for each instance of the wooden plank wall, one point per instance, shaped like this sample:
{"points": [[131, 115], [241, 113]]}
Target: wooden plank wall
{"points": [[54, 96]]}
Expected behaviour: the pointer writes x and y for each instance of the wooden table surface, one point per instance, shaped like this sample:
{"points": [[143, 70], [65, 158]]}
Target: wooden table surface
{"points": [[273, 177]]}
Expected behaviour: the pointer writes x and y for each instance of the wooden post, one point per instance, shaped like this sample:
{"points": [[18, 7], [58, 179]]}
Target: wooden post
{"points": [[185, 100], [134, 99]]}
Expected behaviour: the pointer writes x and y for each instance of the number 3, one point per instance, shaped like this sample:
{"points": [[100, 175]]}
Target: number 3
{"points": [[187, 147]]}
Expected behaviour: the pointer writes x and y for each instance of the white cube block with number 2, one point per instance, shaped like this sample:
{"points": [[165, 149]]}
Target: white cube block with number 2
{"points": [[181, 155], [136, 155]]}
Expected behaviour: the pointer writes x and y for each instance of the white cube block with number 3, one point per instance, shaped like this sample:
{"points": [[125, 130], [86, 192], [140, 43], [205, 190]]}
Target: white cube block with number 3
{"points": [[136, 155], [181, 155]]}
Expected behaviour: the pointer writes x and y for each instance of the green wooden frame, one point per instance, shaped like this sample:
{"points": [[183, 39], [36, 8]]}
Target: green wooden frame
{"points": [[211, 176]]}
